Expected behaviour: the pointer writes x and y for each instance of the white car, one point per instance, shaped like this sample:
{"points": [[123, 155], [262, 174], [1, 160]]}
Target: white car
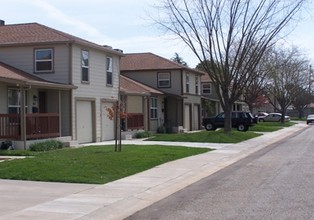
{"points": [[275, 117], [261, 115], [310, 119]]}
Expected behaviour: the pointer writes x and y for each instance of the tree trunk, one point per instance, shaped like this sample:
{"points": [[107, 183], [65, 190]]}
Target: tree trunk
{"points": [[228, 125]]}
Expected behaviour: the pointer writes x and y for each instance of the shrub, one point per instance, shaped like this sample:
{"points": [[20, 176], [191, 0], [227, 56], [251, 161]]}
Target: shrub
{"points": [[46, 145], [161, 130], [143, 134], [5, 145]]}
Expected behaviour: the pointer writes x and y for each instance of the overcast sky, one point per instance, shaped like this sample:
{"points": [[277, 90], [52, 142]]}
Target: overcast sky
{"points": [[123, 24]]}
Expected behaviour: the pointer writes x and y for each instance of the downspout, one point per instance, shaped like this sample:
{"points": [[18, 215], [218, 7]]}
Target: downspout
{"points": [[71, 91], [59, 110]]}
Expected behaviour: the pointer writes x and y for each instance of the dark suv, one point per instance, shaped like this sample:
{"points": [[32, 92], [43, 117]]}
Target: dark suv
{"points": [[240, 120]]}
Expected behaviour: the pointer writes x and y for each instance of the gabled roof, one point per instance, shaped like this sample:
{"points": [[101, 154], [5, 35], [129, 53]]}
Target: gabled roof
{"points": [[129, 86], [206, 78], [10, 74], [34, 33], [150, 61]]}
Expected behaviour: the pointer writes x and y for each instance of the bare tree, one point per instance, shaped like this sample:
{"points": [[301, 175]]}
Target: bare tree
{"points": [[232, 34], [303, 99], [287, 72]]}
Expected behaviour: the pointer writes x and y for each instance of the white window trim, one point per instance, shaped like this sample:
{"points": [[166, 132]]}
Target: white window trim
{"points": [[83, 66], [187, 83], [109, 70], [18, 105], [197, 87], [153, 107], [167, 79], [43, 60], [210, 89]]}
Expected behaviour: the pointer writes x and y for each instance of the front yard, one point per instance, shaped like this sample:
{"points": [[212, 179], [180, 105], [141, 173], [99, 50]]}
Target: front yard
{"points": [[100, 164], [95, 164]]}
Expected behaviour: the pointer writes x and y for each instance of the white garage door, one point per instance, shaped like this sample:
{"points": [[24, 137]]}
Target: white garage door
{"points": [[107, 123], [187, 117], [84, 119]]}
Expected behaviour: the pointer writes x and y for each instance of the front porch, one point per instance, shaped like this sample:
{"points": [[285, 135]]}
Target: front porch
{"points": [[36, 126]]}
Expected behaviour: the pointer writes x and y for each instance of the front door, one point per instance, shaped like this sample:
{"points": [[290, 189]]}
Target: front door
{"points": [[42, 102]]}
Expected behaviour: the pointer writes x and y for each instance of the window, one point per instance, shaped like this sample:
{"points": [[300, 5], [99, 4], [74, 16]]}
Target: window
{"points": [[164, 80], [14, 101], [206, 89], [85, 66], [196, 85], [153, 108], [187, 83], [109, 71], [43, 60]]}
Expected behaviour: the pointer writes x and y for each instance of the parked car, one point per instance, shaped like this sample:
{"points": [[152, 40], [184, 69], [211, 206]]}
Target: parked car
{"points": [[310, 119], [261, 115], [240, 120], [274, 117]]}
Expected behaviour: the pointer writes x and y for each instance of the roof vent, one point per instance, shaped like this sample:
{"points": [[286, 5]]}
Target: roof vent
{"points": [[119, 50], [2, 22], [107, 46]]}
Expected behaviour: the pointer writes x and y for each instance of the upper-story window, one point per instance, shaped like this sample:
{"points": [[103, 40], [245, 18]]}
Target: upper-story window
{"points": [[196, 85], [109, 71], [187, 83], [43, 60], [206, 89], [85, 66], [164, 80]]}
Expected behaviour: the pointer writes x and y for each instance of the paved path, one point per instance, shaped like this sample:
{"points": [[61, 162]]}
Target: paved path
{"points": [[121, 198]]}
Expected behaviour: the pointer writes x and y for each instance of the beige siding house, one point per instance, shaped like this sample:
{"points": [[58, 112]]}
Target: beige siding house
{"points": [[181, 106], [210, 101], [82, 79], [142, 105]]}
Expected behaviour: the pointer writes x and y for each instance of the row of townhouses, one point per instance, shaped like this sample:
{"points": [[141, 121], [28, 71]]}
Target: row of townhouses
{"points": [[55, 85]]}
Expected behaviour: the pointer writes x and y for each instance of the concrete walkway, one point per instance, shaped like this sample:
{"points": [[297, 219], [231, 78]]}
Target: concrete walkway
{"points": [[121, 198]]}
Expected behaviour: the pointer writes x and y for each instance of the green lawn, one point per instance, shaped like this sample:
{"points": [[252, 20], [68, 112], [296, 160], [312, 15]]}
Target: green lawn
{"points": [[270, 126], [218, 136], [100, 164], [95, 164]]}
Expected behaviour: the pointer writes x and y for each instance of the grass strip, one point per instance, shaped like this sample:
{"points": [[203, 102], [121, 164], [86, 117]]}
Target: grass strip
{"points": [[94, 164], [218, 136]]}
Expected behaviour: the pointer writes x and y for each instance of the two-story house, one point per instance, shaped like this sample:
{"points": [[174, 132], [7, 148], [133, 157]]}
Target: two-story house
{"points": [[181, 85], [141, 106], [67, 84], [210, 101]]}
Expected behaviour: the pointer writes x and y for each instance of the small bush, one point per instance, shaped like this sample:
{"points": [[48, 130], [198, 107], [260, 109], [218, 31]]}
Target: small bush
{"points": [[5, 145], [161, 130], [144, 134], [46, 145]]}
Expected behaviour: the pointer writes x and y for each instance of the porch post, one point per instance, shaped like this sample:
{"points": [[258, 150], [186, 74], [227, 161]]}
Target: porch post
{"points": [[23, 116]]}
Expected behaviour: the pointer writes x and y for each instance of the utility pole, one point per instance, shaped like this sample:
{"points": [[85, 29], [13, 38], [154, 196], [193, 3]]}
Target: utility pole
{"points": [[310, 79]]}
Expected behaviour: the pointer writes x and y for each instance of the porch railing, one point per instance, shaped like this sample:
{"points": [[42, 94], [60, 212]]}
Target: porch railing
{"points": [[42, 125], [38, 125], [135, 121], [9, 126]]}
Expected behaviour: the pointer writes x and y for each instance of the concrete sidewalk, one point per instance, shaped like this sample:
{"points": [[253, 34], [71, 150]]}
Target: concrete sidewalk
{"points": [[121, 198]]}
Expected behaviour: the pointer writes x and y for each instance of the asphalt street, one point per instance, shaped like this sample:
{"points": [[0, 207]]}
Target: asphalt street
{"points": [[273, 183], [122, 198]]}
